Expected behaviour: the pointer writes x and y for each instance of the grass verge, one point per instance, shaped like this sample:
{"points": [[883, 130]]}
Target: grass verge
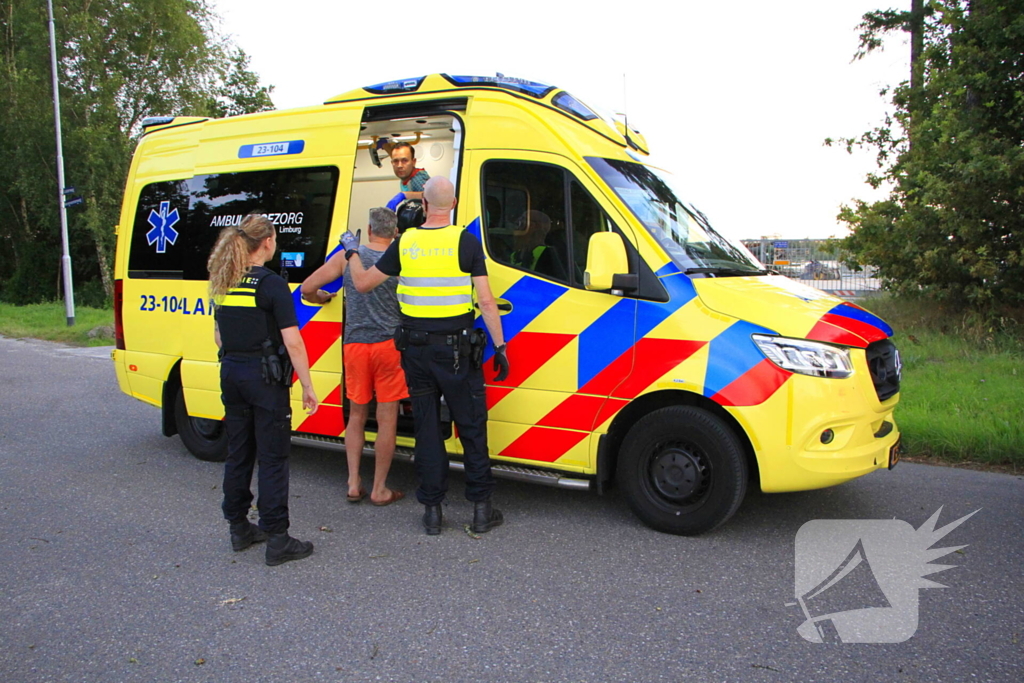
{"points": [[49, 322], [962, 394]]}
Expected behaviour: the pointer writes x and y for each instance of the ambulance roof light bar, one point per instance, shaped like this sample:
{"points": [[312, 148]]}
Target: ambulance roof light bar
{"points": [[520, 85], [156, 121], [401, 85]]}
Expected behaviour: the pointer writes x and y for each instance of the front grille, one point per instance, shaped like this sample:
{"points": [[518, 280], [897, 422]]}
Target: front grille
{"points": [[884, 364]]}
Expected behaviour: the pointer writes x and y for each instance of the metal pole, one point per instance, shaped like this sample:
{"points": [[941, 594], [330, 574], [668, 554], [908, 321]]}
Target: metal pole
{"points": [[69, 293]]}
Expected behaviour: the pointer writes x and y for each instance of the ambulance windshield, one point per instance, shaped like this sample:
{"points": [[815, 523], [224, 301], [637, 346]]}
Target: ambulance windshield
{"points": [[681, 230]]}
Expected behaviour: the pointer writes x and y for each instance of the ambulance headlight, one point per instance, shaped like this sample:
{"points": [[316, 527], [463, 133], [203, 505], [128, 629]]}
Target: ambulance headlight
{"points": [[805, 357]]}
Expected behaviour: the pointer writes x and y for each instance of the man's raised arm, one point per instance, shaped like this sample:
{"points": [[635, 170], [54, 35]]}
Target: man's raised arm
{"points": [[328, 272]]}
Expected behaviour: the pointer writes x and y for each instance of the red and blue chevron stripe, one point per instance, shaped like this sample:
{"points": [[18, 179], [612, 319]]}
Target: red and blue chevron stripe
{"points": [[850, 325]]}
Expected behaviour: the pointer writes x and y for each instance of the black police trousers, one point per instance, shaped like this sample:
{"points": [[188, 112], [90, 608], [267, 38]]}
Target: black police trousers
{"points": [[430, 373], [258, 418]]}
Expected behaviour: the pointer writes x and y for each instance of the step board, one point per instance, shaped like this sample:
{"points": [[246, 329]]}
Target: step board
{"points": [[499, 469]]}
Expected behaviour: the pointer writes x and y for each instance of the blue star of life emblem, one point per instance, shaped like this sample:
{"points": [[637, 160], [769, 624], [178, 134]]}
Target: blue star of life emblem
{"points": [[163, 230]]}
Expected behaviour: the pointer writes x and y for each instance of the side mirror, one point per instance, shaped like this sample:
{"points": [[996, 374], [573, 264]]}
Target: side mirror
{"points": [[607, 264]]}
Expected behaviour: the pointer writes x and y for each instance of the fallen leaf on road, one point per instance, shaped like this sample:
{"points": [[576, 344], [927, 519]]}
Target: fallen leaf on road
{"points": [[326, 529], [470, 533], [231, 601]]}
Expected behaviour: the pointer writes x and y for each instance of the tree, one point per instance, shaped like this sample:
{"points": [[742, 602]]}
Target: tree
{"points": [[119, 62], [953, 225]]}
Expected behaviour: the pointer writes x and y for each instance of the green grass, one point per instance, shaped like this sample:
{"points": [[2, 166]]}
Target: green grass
{"points": [[962, 394], [49, 322]]}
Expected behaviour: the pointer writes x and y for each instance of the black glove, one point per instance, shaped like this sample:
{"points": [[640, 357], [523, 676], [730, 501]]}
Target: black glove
{"points": [[500, 363]]}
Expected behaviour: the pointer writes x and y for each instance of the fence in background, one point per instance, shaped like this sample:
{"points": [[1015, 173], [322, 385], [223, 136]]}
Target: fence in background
{"points": [[815, 263]]}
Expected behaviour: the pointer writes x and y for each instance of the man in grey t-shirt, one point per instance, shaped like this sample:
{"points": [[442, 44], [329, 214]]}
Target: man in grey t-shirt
{"points": [[373, 366]]}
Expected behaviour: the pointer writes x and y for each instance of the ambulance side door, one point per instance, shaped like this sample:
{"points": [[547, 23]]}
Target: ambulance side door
{"points": [[568, 347]]}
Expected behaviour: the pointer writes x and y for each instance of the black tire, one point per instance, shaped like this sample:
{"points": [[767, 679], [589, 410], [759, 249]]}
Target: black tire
{"points": [[682, 470], [204, 438]]}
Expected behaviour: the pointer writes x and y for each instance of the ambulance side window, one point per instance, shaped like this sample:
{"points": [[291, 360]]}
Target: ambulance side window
{"points": [[587, 219], [156, 247], [525, 217], [298, 201]]}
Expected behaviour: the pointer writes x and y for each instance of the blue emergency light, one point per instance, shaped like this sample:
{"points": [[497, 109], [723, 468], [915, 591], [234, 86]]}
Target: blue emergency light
{"points": [[401, 85], [502, 81]]}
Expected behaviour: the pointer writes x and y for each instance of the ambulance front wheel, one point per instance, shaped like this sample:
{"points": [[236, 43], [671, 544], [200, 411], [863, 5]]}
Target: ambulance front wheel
{"points": [[682, 470], [206, 439]]}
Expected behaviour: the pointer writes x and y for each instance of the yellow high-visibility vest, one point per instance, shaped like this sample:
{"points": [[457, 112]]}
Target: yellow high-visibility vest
{"points": [[431, 284]]}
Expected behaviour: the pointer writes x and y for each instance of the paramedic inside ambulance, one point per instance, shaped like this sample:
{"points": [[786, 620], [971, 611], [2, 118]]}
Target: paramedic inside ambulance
{"points": [[532, 252], [412, 179]]}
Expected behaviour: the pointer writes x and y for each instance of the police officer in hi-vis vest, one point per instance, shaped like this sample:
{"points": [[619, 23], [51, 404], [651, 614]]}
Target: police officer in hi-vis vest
{"points": [[258, 336], [438, 265]]}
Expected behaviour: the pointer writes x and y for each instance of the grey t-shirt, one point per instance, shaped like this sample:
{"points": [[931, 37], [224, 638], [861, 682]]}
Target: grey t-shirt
{"points": [[372, 317]]}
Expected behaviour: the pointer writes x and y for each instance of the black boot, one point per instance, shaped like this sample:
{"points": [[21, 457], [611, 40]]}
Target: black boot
{"points": [[485, 517], [283, 548], [432, 519], [244, 534]]}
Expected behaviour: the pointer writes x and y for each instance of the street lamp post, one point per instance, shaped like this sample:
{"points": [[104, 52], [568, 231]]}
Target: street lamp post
{"points": [[69, 294]]}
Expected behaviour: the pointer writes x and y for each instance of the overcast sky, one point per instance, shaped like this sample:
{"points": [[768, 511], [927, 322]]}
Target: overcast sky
{"points": [[734, 98]]}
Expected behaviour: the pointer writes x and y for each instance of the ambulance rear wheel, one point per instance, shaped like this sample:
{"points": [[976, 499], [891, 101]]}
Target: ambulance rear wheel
{"points": [[206, 439], [682, 470]]}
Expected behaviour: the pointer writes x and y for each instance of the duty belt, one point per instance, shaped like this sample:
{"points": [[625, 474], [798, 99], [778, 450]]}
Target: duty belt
{"points": [[243, 354], [449, 339], [467, 342]]}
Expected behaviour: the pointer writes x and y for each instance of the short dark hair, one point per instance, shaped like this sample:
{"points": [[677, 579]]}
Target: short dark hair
{"points": [[400, 145]]}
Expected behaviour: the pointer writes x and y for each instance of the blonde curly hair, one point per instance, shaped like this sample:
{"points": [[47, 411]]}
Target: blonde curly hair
{"points": [[229, 259]]}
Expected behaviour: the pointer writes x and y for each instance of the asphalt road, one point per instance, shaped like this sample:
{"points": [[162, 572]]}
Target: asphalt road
{"points": [[115, 566]]}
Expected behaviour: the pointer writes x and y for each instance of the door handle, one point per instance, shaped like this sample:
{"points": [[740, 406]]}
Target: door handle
{"points": [[503, 306]]}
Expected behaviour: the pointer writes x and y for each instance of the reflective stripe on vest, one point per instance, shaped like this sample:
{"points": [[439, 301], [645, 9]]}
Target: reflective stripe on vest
{"points": [[244, 325], [244, 295], [535, 255], [431, 284]]}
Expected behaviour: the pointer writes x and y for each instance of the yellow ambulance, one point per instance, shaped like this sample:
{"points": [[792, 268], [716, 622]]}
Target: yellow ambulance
{"points": [[646, 349]]}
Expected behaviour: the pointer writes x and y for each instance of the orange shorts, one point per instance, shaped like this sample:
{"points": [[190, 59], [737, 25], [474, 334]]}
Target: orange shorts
{"points": [[374, 369]]}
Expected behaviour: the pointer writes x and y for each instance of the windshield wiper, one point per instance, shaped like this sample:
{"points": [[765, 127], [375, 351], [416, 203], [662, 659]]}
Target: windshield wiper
{"points": [[721, 270]]}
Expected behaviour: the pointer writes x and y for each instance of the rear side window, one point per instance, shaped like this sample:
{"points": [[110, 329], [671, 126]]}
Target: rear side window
{"points": [[299, 202], [157, 242]]}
